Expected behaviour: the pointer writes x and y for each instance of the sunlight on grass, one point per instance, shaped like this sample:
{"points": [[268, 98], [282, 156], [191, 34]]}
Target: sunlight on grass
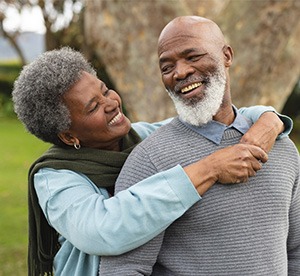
{"points": [[18, 150]]}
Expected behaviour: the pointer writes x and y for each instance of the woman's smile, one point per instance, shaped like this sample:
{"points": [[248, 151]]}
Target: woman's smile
{"points": [[119, 118]]}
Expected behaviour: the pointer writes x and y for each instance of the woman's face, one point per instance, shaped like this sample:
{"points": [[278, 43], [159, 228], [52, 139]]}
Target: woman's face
{"points": [[96, 115]]}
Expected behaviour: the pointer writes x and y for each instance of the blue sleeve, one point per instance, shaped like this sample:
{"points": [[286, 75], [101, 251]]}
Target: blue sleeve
{"points": [[98, 225], [144, 129], [254, 112]]}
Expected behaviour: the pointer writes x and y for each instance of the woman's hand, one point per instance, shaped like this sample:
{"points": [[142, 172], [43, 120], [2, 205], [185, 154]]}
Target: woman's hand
{"points": [[264, 132], [234, 164]]}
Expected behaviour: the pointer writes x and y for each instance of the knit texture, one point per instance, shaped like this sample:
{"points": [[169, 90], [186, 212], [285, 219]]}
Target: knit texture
{"points": [[244, 229]]}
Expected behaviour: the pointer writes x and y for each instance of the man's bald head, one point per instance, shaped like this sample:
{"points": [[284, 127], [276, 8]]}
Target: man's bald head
{"points": [[191, 26]]}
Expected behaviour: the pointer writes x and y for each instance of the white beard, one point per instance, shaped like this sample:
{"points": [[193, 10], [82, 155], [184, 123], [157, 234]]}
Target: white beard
{"points": [[201, 112]]}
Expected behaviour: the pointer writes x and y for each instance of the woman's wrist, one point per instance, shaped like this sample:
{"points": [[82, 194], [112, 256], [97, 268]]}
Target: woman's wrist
{"points": [[201, 175]]}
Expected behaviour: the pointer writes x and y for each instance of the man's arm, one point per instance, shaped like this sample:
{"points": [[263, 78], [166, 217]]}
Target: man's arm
{"points": [[293, 241], [139, 261]]}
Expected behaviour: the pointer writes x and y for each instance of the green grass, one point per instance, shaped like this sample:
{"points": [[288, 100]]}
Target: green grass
{"points": [[18, 150]]}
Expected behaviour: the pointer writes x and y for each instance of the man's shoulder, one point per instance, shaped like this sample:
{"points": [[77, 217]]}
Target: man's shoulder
{"points": [[286, 150], [162, 139], [286, 142], [163, 131]]}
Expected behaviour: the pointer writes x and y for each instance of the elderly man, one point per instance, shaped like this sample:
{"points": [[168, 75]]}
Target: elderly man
{"points": [[247, 229]]}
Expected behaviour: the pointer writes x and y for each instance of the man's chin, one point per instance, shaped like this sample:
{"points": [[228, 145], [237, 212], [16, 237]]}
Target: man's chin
{"points": [[196, 121], [194, 115]]}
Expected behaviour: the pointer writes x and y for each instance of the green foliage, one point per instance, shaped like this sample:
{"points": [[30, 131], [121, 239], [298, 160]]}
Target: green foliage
{"points": [[291, 107], [295, 135], [8, 73], [6, 107], [18, 150]]}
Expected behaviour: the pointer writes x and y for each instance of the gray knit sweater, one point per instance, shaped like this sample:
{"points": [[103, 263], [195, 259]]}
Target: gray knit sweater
{"points": [[244, 229]]}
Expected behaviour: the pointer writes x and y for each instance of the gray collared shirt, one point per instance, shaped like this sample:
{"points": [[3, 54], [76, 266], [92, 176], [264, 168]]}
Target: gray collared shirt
{"points": [[214, 130]]}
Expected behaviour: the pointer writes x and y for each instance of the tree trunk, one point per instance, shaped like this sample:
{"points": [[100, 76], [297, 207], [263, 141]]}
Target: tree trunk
{"points": [[264, 34], [12, 38], [265, 37]]}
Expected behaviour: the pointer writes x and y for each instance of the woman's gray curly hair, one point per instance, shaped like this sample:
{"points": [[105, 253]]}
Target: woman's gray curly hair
{"points": [[38, 91]]}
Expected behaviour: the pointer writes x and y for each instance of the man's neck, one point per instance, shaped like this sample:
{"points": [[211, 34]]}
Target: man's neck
{"points": [[225, 115]]}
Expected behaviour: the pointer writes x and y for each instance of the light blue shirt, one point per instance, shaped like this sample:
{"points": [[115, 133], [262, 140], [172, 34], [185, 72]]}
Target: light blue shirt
{"points": [[91, 224], [214, 130]]}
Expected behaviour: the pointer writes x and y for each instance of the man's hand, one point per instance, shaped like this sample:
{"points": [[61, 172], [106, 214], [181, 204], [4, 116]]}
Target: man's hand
{"points": [[264, 132]]}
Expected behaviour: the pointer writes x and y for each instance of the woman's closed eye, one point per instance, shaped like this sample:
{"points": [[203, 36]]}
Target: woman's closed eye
{"points": [[94, 107], [106, 92]]}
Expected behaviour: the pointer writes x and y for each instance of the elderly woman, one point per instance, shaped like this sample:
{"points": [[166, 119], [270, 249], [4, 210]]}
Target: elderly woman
{"points": [[72, 217]]}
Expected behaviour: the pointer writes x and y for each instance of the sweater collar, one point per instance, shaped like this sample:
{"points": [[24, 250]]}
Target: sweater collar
{"points": [[214, 130]]}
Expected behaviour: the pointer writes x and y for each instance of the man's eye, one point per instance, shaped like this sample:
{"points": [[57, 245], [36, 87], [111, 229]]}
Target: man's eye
{"points": [[194, 58], [166, 69]]}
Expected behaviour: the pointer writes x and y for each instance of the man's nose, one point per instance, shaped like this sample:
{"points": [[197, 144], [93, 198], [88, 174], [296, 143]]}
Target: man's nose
{"points": [[183, 70]]}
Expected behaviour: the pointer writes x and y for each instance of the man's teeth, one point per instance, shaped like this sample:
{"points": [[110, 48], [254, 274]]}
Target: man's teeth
{"points": [[115, 119], [190, 87]]}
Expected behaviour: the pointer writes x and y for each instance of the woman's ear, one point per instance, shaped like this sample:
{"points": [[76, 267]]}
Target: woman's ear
{"points": [[228, 55], [68, 138]]}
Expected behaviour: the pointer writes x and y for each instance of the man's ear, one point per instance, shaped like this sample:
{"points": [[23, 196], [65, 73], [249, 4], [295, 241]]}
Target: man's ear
{"points": [[228, 55], [68, 138]]}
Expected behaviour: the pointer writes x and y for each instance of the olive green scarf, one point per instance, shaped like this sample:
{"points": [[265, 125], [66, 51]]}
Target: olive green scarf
{"points": [[101, 166]]}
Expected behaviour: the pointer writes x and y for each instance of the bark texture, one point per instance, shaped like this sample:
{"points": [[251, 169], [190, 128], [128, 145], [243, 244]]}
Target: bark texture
{"points": [[265, 36]]}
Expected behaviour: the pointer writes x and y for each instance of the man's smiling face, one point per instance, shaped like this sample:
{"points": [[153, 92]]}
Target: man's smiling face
{"points": [[192, 71]]}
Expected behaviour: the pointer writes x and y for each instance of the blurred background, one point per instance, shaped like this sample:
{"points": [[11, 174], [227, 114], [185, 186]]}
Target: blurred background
{"points": [[119, 38]]}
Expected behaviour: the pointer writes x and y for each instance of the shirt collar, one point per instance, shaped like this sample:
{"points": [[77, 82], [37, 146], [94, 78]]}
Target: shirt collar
{"points": [[214, 130]]}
